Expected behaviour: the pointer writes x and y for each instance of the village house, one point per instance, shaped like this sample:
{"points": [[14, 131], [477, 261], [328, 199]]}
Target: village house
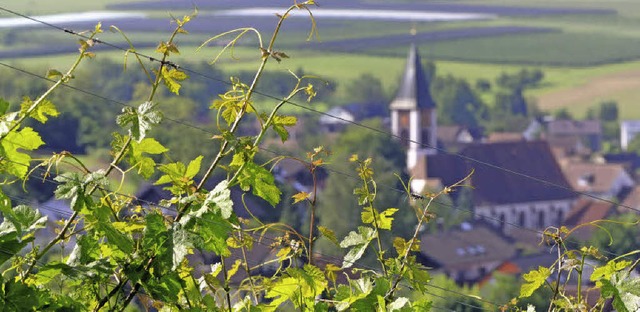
{"points": [[466, 254], [602, 180], [574, 136]]}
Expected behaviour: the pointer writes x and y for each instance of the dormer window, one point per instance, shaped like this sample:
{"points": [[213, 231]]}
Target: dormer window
{"points": [[586, 179]]}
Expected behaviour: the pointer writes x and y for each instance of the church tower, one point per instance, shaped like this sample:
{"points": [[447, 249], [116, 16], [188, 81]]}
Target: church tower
{"points": [[413, 115]]}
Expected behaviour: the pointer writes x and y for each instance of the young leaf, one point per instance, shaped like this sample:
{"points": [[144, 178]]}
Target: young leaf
{"points": [[328, 234], [171, 78], [220, 199], [605, 272], [140, 119], [193, 168], [40, 113], [71, 187], [14, 162], [359, 242], [146, 165], [300, 197], [382, 219], [534, 280], [261, 182], [279, 124]]}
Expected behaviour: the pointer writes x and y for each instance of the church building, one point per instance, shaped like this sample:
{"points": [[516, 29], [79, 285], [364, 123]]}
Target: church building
{"points": [[517, 182]]}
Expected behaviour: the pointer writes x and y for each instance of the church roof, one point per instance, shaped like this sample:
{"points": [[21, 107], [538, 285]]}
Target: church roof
{"points": [[502, 186], [413, 92]]}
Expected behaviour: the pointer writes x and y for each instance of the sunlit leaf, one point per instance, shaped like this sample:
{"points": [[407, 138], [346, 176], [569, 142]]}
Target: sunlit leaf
{"points": [[534, 280]]}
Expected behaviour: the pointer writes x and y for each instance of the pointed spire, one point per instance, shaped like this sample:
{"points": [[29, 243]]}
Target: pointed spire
{"points": [[413, 92]]}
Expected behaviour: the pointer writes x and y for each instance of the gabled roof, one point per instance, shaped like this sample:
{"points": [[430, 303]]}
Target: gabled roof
{"points": [[574, 127], [505, 136], [495, 180], [585, 211], [598, 178], [458, 249], [413, 92]]}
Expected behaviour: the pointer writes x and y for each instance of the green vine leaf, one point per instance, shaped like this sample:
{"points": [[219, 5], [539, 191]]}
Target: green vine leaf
{"points": [[280, 122], [261, 182], [165, 287], [172, 77], [4, 106], [139, 120], [418, 276], [300, 288], [12, 161], [213, 231], [85, 251], [102, 222], [605, 272], [534, 280], [328, 234], [359, 242], [179, 175], [40, 113], [382, 219], [146, 165]]}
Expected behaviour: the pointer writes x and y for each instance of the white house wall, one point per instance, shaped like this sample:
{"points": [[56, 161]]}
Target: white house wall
{"points": [[552, 215]]}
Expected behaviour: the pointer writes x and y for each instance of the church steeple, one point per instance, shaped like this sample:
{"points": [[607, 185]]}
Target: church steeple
{"points": [[413, 92], [413, 112]]}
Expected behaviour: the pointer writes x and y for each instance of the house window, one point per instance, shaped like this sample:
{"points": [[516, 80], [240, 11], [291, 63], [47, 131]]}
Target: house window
{"points": [[521, 218], [425, 136], [482, 272], [404, 137], [404, 118], [541, 219], [560, 216]]}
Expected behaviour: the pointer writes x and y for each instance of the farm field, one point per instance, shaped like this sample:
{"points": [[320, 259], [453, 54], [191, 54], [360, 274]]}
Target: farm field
{"points": [[580, 45]]}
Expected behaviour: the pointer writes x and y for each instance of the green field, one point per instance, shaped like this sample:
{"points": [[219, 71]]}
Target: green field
{"points": [[31, 7], [585, 52]]}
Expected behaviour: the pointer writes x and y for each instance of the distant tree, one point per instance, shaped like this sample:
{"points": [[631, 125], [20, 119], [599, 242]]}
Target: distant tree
{"points": [[504, 287], [483, 85], [514, 85], [563, 114], [521, 80], [457, 102], [367, 89], [512, 102], [608, 111]]}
